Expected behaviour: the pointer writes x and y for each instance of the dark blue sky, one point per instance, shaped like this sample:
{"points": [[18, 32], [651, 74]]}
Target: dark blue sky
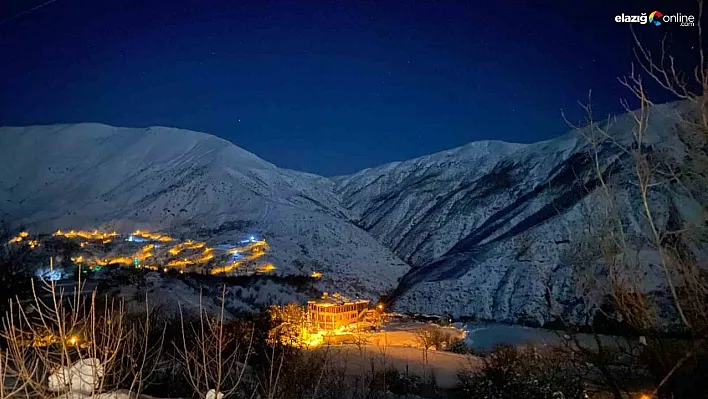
{"points": [[328, 87]]}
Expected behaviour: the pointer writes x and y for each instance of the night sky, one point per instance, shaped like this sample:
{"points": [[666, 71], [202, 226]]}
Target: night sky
{"points": [[321, 86]]}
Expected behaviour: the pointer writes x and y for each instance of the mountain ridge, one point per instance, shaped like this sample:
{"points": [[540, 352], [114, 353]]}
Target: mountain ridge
{"points": [[441, 232], [88, 176], [459, 227]]}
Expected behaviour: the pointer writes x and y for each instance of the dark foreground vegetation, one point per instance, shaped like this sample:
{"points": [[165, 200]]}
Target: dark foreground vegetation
{"points": [[155, 353]]}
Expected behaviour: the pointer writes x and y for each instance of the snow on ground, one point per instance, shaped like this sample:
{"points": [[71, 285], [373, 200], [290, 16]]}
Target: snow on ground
{"points": [[403, 333], [168, 295], [395, 345], [444, 365]]}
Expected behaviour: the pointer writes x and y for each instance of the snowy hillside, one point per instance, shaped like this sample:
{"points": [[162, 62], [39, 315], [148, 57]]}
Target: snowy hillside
{"points": [[88, 176], [485, 226]]}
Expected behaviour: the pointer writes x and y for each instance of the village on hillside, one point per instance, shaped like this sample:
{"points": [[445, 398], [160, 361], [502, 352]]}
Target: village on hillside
{"points": [[96, 249], [331, 319]]}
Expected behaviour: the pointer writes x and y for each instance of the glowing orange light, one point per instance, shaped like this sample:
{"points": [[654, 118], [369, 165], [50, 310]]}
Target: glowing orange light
{"points": [[152, 236], [226, 268], [20, 237], [266, 268]]}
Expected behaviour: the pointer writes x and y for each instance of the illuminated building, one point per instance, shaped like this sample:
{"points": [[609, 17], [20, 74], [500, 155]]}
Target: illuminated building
{"points": [[331, 313]]}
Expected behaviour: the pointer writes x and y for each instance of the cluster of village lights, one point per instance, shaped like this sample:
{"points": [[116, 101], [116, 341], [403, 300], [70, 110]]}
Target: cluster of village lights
{"points": [[253, 248], [249, 251]]}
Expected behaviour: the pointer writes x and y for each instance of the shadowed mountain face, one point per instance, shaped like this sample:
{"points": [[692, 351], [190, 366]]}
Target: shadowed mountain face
{"points": [[482, 230], [487, 227]]}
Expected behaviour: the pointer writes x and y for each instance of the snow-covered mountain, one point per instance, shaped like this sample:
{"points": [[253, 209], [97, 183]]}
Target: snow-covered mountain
{"points": [[485, 227], [186, 183]]}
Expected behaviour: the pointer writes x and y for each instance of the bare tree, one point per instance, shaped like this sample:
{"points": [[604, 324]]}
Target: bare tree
{"points": [[212, 357], [291, 324], [58, 331], [361, 337], [429, 337], [633, 248], [15, 267]]}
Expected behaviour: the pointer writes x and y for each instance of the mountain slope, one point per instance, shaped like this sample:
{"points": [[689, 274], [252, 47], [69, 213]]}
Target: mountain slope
{"points": [[486, 226], [188, 183]]}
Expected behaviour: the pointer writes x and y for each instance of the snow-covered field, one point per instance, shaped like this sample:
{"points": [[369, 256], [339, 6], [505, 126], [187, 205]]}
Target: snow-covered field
{"points": [[444, 365]]}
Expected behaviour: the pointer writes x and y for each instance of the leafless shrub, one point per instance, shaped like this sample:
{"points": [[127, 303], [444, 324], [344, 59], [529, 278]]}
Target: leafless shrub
{"points": [[510, 372], [290, 322], [627, 249], [211, 354], [52, 332], [361, 337], [430, 337]]}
